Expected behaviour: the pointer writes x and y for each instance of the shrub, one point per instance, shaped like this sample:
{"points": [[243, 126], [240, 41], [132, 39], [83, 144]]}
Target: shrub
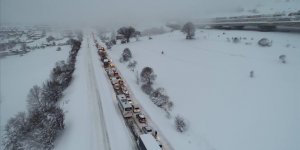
{"points": [[282, 59], [159, 98], [251, 74], [131, 65], [180, 124], [147, 88], [50, 38], [236, 40], [264, 42]]}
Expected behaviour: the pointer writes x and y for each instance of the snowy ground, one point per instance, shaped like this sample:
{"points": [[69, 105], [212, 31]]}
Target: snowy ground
{"points": [[208, 81], [93, 120], [20, 73]]}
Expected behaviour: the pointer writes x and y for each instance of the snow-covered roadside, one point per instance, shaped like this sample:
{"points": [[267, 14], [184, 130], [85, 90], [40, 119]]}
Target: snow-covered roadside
{"points": [[20, 73], [92, 119], [208, 80]]}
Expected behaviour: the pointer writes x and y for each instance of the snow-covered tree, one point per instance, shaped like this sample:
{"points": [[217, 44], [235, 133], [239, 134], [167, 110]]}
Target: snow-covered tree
{"points": [[15, 131], [127, 32], [159, 97], [189, 29], [126, 55], [148, 75], [51, 92]]}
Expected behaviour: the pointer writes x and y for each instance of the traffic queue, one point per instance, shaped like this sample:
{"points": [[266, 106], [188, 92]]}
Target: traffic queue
{"points": [[147, 138]]}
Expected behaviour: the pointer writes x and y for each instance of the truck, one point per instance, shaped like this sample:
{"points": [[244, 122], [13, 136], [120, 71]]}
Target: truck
{"points": [[147, 142]]}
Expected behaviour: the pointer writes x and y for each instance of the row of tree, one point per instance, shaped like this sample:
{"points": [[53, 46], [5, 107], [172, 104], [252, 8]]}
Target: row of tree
{"points": [[44, 121], [158, 96]]}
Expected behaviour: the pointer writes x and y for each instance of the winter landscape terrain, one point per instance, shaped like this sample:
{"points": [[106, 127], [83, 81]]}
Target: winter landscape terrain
{"points": [[199, 88]]}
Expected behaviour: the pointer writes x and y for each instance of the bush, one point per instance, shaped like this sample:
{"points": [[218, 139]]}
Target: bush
{"points": [[170, 105], [282, 59], [50, 38], [251, 74], [264, 42], [236, 40], [131, 65], [159, 98], [180, 124], [126, 54]]}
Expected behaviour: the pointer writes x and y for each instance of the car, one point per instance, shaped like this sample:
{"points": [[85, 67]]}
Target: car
{"points": [[135, 108], [116, 86], [129, 100], [114, 80], [124, 89], [147, 129], [141, 118]]}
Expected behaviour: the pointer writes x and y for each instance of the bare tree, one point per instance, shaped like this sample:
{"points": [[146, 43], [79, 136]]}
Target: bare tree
{"points": [[180, 123], [189, 29], [34, 98], [131, 65]]}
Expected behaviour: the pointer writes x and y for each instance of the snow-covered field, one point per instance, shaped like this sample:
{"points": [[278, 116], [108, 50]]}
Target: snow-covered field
{"points": [[20, 73], [208, 81]]}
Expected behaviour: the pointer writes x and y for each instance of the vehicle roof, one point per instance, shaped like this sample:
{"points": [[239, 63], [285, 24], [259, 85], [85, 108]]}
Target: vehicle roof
{"points": [[121, 96], [149, 142], [147, 127], [142, 115]]}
